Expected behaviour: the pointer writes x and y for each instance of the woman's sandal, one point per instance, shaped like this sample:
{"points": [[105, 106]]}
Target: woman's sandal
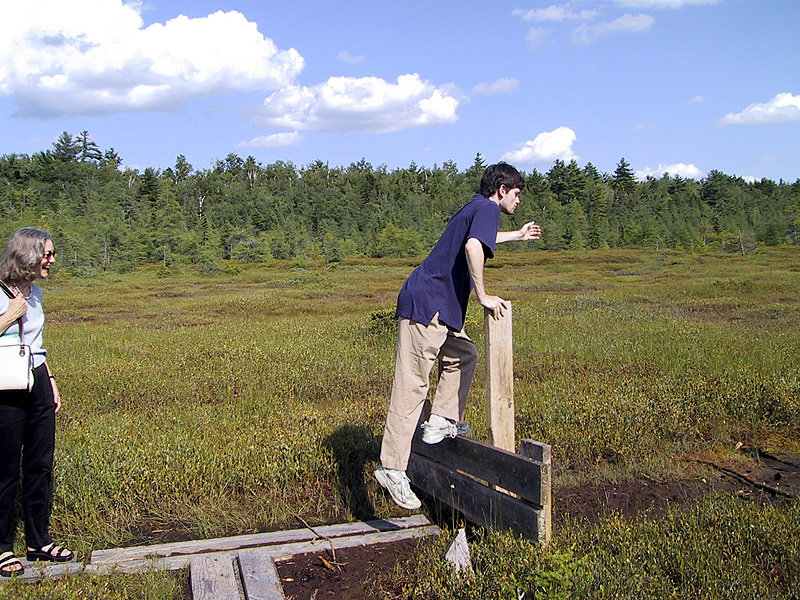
{"points": [[7, 560], [51, 553]]}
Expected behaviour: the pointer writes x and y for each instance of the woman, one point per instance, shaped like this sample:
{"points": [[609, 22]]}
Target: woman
{"points": [[27, 419]]}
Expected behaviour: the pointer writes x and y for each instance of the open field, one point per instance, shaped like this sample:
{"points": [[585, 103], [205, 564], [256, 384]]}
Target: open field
{"points": [[253, 399]]}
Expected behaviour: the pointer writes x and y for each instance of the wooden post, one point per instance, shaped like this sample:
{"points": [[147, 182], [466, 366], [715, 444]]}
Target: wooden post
{"points": [[542, 454], [500, 380]]}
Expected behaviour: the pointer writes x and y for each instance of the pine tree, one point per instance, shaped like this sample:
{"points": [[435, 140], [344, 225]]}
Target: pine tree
{"points": [[624, 180], [475, 172], [88, 151], [111, 159], [65, 148], [598, 216], [576, 226]]}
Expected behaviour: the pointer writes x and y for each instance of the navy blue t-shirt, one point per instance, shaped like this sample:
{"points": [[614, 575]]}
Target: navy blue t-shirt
{"points": [[442, 283]]}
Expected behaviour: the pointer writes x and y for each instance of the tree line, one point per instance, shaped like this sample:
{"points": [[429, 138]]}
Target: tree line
{"points": [[105, 215]]}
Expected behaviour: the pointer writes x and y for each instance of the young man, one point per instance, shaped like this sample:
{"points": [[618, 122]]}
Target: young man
{"points": [[431, 309]]}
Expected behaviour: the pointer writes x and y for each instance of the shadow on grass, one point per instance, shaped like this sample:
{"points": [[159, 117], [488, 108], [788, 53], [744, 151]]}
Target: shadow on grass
{"points": [[353, 447]]}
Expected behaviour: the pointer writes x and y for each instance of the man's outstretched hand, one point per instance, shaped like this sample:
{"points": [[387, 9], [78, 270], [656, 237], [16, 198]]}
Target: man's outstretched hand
{"points": [[530, 231]]}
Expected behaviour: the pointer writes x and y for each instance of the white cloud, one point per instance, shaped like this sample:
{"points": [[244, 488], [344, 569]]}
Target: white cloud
{"points": [[276, 140], [345, 56], [783, 107], [555, 13], [696, 100], [70, 57], [501, 86], [665, 3], [545, 148], [536, 37], [586, 34], [677, 170], [363, 104]]}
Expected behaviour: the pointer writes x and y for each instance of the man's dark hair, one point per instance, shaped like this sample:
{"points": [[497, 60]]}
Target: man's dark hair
{"points": [[500, 174]]}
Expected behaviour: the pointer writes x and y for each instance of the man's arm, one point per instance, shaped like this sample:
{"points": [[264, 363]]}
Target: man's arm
{"points": [[475, 259], [529, 231]]}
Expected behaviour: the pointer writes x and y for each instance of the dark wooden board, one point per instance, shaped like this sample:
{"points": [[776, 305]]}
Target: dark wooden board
{"points": [[517, 474], [478, 502]]}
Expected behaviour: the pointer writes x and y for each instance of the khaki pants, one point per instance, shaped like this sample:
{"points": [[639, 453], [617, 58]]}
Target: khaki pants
{"points": [[418, 347]]}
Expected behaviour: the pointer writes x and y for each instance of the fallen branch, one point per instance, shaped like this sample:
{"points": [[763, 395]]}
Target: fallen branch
{"points": [[744, 479], [323, 537]]}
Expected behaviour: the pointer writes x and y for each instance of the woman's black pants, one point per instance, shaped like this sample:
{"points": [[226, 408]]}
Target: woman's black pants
{"points": [[27, 434]]}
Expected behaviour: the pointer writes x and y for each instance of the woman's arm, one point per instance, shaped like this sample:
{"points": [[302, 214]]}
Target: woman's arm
{"points": [[56, 395], [16, 308]]}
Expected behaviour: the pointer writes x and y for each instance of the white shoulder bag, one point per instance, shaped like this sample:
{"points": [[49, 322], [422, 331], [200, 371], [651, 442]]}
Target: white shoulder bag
{"points": [[16, 361]]}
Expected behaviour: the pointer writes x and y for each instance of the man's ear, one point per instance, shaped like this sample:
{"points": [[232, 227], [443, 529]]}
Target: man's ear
{"points": [[502, 190]]}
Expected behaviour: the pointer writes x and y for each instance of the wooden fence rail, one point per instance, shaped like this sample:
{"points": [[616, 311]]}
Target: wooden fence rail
{"points": [[472, 478]]}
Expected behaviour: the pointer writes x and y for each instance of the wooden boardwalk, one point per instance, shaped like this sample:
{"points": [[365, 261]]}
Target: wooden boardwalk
{"points": [[241, 567]]}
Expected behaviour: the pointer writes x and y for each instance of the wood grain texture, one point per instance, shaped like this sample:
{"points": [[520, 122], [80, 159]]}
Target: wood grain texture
{"points": [[213, 578], [260, 578], [519, 475], [498, 335], [479, 503], [138, 553]]}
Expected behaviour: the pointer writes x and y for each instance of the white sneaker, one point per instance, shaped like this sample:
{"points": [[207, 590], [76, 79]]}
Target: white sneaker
{"points": [[399, 487], [436, 428]]}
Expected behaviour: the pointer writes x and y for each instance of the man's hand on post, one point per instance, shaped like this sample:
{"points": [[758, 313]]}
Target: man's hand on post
{"points": [[495, 304]]}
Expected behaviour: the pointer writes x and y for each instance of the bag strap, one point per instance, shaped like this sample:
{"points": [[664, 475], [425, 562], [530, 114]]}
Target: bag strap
{"points": [[7, 289], [10, 295]]}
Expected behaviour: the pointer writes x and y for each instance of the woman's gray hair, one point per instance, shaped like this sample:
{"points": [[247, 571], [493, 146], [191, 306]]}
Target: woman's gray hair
{"points": [[23, 255]]}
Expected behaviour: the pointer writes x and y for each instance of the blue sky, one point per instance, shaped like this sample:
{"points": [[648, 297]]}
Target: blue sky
{"points": [[682, 86]]}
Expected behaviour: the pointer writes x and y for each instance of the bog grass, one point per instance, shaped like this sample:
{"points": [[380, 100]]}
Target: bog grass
{"points": [[254, 397], [719, 549]]}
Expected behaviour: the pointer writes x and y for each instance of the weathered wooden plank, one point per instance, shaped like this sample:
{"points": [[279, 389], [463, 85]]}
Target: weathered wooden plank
{"points": [[213, 578], [376, 525], [475, 501], [36, 571], [497, 467], [500, 379], [260, 578], [285, 552], [277, 552], [542, 453], [143, 565], [120, 555], [536, 451]]}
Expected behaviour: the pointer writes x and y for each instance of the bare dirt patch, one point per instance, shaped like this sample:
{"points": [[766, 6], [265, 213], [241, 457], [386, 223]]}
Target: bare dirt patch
{"points": [[350, 576]]}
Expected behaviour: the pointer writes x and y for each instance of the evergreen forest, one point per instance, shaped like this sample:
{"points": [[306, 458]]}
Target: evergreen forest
{"points": [[104, 215]]}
